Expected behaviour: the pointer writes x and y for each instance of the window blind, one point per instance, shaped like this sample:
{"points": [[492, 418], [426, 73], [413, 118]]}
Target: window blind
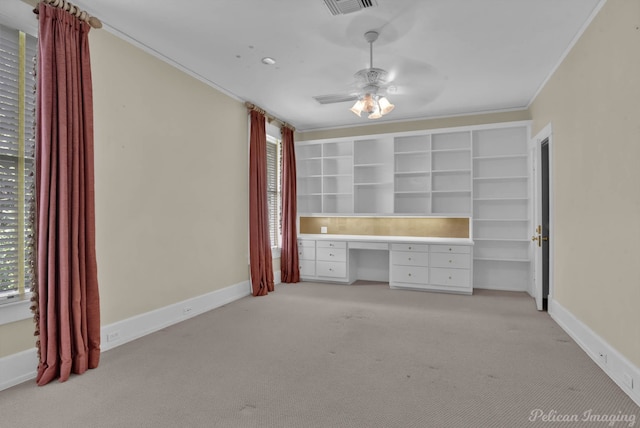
{"points": [[17, 147], [273, 190]]}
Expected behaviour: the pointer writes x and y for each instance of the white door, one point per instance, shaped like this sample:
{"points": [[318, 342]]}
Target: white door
{"points": [[539, 153]]}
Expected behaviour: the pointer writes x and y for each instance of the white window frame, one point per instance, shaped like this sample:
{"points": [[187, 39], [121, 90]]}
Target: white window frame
{"points": [[16, 306], [274, 195]]}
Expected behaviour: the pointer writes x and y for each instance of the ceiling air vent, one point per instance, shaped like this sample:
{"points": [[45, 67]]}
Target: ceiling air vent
{"points": [[342, 7]]}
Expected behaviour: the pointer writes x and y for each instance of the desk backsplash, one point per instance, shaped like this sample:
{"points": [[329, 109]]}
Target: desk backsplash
{"points": [[427, 227]]}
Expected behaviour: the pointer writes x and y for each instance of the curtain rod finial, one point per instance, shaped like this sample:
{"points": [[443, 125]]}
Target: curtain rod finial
{"points": [[95, 22]]}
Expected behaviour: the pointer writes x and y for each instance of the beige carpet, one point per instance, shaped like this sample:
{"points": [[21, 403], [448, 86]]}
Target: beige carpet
{"points": [[325, 355]]}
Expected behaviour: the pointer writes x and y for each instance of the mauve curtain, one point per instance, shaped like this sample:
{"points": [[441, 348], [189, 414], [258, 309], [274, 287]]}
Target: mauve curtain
{"points": [[289, 269], [68, 305], [259, 242]]}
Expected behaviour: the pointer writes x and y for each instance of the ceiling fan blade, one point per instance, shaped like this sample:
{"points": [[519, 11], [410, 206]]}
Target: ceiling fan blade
{"points": [[335, 98]]}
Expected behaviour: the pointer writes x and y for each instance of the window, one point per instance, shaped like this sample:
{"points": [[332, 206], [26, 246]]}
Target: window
{"points": [[273, 189], [17, 147]]}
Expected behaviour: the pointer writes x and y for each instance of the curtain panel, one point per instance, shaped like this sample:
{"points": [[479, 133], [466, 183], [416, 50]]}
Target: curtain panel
{"points": [[67, 302], [289, 269], [259, 243]]}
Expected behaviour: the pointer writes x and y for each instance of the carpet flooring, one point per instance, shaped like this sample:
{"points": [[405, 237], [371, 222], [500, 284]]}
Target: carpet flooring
{"points": [[328, 355]]}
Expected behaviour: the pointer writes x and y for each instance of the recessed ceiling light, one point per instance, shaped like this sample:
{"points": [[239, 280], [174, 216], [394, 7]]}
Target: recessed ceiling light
{"points": [[269, 61]]}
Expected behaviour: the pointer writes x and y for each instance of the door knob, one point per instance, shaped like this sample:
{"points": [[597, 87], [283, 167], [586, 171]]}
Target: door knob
{"points": [[539, 238]]}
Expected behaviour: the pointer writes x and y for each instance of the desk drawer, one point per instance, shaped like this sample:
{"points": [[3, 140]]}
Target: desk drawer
{"points": [[410, 247], [409, 274], [331, 244], [307, 253], [306, 243], [307, 268], [331, 269], [450, 277], [410, 258], [360, 245], [462, 249], [332, 254], [446, 260]]}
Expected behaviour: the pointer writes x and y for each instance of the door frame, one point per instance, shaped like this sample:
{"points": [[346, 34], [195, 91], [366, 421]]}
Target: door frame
{"points": [[536, 213]]}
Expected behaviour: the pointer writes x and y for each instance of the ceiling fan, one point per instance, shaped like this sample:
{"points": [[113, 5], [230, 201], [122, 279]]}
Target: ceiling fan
{"points": [[372, 84]]}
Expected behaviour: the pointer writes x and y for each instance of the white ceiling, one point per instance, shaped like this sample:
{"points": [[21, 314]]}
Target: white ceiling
{"points": [[448, 57]]}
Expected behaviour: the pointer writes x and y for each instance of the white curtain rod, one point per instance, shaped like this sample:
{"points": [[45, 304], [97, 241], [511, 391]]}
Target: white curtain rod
{"points": [[75, 11]]}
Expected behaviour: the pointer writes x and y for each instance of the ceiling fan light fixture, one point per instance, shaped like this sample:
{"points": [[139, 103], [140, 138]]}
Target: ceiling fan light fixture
{"points": [[375, 114], [369, 103], [385, 105], [358, 107]]}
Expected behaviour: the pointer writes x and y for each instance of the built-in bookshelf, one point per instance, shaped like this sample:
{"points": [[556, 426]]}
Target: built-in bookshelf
{"points": [[482, 172], [501, 211], [372, 176], [309, 177], [451, 173], [412, 174]]}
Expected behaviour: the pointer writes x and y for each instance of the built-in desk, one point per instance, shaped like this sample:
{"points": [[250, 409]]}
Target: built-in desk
{"points": [[433, 264]]}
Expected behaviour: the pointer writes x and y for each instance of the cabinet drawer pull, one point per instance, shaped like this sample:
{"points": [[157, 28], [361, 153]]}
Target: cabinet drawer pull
{"points": [[409, 258], [450, 261], [449, 277], [331, 255], [409, 274], [410, 247], [450, 249]]}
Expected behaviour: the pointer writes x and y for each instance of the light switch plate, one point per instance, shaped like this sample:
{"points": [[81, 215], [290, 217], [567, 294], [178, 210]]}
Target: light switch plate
{"points": [[323, 229]]}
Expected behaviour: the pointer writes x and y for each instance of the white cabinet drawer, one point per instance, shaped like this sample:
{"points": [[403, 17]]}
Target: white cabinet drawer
{"points": [[445, 260], [306, 243], [332, 244], [307, 268], [450, 277], [409, 258], [463, 249], [331, 269], [357, 245], [409, 274], [331, 254], [410, 247], [306, 253]]}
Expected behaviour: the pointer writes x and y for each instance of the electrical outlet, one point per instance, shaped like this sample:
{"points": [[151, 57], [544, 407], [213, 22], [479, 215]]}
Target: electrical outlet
{"points": [[187, 310], [113, 336]]}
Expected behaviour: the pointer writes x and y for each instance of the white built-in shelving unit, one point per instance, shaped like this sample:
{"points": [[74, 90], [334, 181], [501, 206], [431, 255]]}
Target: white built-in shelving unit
{"points": [[309, 177], [451, 173], [482, 172], [372, 176], [501, 211], [412, 174], [337, 177]]}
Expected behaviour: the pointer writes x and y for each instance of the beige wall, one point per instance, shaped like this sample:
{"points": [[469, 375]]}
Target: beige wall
{"points": [[171, 186], [593, 105]]}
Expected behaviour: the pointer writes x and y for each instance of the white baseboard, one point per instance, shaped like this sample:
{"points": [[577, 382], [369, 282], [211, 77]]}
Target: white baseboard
{"points": [[625, 374], [18, 368], [22, 366], [498, 288]]}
